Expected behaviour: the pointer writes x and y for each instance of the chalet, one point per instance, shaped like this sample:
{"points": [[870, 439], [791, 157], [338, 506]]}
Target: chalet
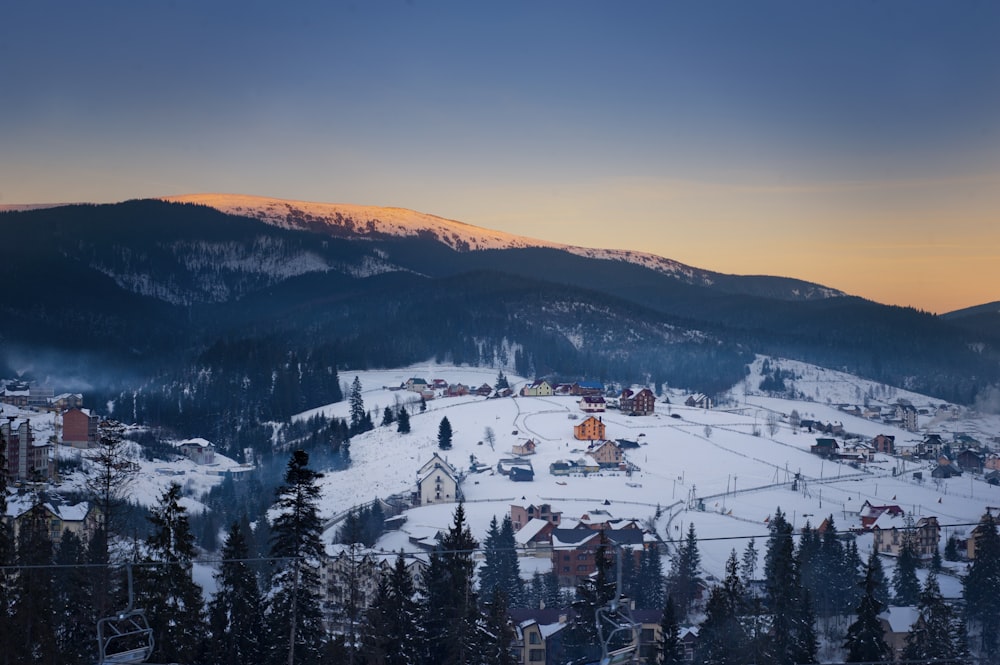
{"points": [[27, 459], [592, 404], [457, 390], [587, 388], [437, 482], [607, 454], [416, 385], [574, 550], [856, 452], [524, 448], [828, 448], [591, 429], [198, 451], [896, 624], [65, 402], [538, 635], [870, 512], [699, 400], [642, 403], [970, 460], [538, 388], [484, 390], [890, 534], [974, 537], [79, 428], [523, 512], [932, 444], [439, 384], [871, 413], [885, 444], [992, 462]]}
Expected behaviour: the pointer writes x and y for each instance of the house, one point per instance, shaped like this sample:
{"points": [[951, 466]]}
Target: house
{"points": [[416, 385], [522, 473], [699, 400], [607, 454], [896, 624], [857, 452], [522, 512], [457, 390], [592, 404], [828, 448], [538, 388], [484, 390], [439, 384], [945, 469], [538, 634], [885, 444], [81, 519], [591, 429], [991, 462], [870, 512], [437, 482], [574, 551], [198, 451], [525, 448], [642, 403], [66, 401], [27, 459], [79, 428], [970, 460], [890, 534], [906, 415], [567, 467], [587, 388]]}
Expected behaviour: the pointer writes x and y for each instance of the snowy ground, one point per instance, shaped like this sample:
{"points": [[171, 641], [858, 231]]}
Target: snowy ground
{"points": [[685, 455]]}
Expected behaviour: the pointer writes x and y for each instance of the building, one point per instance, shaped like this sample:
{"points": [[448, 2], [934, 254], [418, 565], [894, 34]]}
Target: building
{"points": [[81, 519], [642, 403], [524, 448], [869, 513], [885, 444], [587, 388], [79, 428], [437, 482], [522, 512], [591, 429], [890, 534], [539, 388], [592, 404], [828, 448], [416, 385], [574, 551], [27, 459], [699, 400], [607, 454], [198, 451]]}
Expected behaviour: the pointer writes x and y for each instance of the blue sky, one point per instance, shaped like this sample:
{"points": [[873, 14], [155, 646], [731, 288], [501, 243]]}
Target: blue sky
{"points": [[852, 143]]}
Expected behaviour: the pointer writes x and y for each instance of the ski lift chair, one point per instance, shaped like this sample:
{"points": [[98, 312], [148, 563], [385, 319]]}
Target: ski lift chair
{"points": [[126, 638]]}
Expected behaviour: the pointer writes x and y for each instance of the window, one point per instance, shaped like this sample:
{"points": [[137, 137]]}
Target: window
{"points": [[536, 655], [534, 638]]}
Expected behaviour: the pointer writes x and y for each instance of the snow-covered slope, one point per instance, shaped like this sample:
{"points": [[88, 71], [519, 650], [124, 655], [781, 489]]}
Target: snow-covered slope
{"points": [[371, 221]]}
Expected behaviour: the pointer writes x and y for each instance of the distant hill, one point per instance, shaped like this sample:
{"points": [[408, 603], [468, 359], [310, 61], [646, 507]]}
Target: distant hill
{"points": [[169, 295]]}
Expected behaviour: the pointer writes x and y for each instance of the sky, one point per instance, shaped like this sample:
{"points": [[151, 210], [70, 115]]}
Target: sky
{"points": [[854, 144]]}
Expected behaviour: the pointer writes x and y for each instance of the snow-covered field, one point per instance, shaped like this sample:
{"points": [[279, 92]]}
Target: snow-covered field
{"points": [[696, 466]]}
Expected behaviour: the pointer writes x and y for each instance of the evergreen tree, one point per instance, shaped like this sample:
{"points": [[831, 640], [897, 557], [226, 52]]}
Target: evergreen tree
{"points": [[403, 421], [951, 548], [388, 417], [650, 594], [982, 585], [360, 420], [879, 580], [501, 382], [73, 607], [684, 569], [865, 637], [33, 638], [293, 615], [451, 614], [904, 577], [931, 636], [670, 647], [6, 559], [498, 633], [793, 638], [721, 637], [236, 612], [581, 640], [394, 633], [444, 434], [173, 600], [500, 567]]}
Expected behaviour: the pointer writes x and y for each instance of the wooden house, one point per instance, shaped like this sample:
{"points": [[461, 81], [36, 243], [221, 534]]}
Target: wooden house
{"points": [[607, 454], [592, 404]]}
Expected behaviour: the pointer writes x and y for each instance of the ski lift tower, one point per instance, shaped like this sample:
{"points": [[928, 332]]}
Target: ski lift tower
{"points": [[614, 619]]}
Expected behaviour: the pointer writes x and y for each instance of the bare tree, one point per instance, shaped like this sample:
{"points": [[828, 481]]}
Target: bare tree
{"points": [[490, 437], [772, 423]]}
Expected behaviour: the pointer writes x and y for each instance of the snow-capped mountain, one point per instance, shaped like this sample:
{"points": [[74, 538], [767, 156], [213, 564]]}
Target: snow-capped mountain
{"points": [[357, 221]]}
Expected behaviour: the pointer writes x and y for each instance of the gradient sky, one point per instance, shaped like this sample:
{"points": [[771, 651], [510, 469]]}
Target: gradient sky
{"points": [[855, 144]]}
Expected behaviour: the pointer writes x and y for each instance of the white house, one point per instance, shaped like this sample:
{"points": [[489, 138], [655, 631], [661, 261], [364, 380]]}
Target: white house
{"points": [[437, 482]]}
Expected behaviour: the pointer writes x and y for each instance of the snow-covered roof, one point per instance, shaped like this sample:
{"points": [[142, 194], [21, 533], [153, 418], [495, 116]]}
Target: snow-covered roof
{"points": [[900, 619], [527, 532]]}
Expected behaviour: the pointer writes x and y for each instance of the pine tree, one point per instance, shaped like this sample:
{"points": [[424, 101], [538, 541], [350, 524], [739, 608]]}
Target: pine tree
{"points": [[581, 640], [403, 421], [904, 577], [793, 638], [721, 637], [500, 567], [359, 417], [497, 631], [651, 594], [671, 649], [444, 434], [879, 580], [684, 569], [173, 600], [236, 612], [982, 585], [293, 614], [394, 634], [501, 382], [33, 638], [73, 607], [451, 613], [865, 637], [931, 636], [388, 417]]}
